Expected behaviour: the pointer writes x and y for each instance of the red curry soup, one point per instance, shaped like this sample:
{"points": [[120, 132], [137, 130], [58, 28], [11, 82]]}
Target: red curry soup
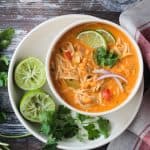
{"points": [[94, 67]]}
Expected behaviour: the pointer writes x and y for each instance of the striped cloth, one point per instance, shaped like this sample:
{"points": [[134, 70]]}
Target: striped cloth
{"points": [[137, 137]]}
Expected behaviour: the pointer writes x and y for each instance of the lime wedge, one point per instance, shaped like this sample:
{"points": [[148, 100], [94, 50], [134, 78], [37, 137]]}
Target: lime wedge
{"points": [[107, 35], [35, 102], [30, 74], [92, 38]]}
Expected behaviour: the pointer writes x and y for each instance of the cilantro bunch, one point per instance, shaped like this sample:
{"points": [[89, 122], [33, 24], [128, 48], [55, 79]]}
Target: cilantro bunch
{"points": [[105, 58], [4, 63], [57, 126], [5, 39], [61, 124]]}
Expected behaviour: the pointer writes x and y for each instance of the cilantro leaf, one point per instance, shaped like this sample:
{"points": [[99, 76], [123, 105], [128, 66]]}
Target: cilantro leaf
{"points": [[65, 125], [5, 37], [93, 133], [2, 117], [104, 57], [3, 79], [47, 118], [51, 143], [104, 126], [63, 110], [83, 117], [4, 62], [60, 125]]}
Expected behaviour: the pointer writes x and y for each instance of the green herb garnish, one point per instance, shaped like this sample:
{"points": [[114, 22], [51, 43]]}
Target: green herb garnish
{"points": [[104, 126], [83, 117], [3, 79], [4, 62], [105, 58], [61, 124], [57, 126], [93, 133], [6, 37]]}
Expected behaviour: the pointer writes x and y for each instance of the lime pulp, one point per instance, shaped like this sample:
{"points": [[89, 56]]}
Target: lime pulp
{"points": [[33, 103]]}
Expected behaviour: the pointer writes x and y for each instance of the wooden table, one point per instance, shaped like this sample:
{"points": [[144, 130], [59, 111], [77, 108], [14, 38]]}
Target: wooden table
{"points": [[23, 17]]}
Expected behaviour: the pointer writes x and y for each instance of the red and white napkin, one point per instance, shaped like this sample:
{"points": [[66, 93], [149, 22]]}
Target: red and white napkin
{"points": [[137, 137], [137, 22]]}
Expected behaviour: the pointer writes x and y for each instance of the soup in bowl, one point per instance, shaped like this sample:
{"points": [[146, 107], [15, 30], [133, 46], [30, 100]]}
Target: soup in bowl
{"points": [[94, 68]]}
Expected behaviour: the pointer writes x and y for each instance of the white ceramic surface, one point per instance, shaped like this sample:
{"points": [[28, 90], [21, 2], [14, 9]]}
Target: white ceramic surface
{"points": [[49, 55], [36, 44]]}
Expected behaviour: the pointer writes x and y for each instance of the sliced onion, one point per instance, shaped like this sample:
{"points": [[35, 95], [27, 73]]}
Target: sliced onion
{"points": [[119, 84], [106, 72], [112, 76], [103, 71]]}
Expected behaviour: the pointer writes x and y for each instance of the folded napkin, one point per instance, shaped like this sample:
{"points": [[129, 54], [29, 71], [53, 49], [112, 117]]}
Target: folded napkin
{"points": [[137, 21], [137, 137]]}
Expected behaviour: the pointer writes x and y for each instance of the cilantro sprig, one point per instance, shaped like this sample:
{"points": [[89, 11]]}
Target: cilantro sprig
{"points": [[61, 124], [57, 125], [6, 37], [96, 126], [105, 58], [4, 63]]}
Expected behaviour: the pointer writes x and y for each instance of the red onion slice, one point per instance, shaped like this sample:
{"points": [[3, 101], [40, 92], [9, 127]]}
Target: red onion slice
{"points": [[119, 84], [112, 76], [106, 72]]}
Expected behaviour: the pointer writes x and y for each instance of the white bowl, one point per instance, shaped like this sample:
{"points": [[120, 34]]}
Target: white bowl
{"points": [[54, 91]]}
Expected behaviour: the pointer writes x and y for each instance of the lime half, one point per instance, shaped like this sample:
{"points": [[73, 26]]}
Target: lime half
{"points": [[34, 103], [107, 35], [92, 38], [30, 74]]}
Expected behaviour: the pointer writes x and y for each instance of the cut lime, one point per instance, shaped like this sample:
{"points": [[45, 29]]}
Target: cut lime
{"points": [[92, 38], [35, 102], [30, 74], [107, 35]]}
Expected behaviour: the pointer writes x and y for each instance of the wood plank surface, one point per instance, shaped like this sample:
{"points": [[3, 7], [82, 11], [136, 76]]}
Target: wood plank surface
{"points": [[23, 17]]}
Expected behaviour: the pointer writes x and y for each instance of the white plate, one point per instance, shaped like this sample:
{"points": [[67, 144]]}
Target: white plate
{"points": [[36, 44]]}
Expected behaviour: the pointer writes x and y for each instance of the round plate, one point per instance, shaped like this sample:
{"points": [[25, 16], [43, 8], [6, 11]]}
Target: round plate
{"points": [[36, 44]]}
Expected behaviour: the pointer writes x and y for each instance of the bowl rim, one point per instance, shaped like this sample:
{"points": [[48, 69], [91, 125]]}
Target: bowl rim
{"points": [[49, 79]]}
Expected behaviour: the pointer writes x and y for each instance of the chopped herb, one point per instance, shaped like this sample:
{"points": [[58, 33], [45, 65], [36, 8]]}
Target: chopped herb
{"points": [[93, 133], [4, 62], [3, 79], [104, 126], [6, 37], [105, 58], [83, 117], [51, 143], [47, 119], [62, 124], [2, 117]]}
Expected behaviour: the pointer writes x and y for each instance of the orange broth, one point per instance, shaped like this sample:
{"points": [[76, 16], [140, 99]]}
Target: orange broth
{"points": [[127, 67]]}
